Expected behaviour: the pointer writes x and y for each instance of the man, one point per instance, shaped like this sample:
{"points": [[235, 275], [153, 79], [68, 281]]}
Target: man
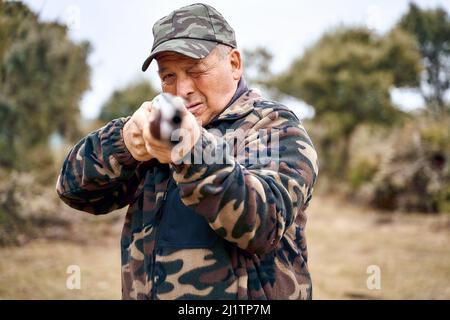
{"points": [[232, 228]]}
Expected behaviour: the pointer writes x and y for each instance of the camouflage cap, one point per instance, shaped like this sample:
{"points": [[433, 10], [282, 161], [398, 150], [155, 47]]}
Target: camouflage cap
{"points": [[193, 30]]}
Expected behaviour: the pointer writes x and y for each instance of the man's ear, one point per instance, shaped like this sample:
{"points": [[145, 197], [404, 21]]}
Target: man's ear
{"points": [[236, 64]]}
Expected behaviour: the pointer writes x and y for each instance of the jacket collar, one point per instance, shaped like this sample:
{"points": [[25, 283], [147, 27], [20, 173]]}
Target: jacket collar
{"points": [[240, 105]]}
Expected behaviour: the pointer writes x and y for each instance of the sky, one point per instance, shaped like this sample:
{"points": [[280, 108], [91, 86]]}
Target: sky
{"points": [[120, 33]]}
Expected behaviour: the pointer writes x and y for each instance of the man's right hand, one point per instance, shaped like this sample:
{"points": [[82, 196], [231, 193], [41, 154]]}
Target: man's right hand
{"points": [[133, 132]]}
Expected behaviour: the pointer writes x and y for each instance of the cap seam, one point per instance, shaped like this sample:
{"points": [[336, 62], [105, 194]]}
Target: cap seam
{"points": [[210, 20], [173, 28]]}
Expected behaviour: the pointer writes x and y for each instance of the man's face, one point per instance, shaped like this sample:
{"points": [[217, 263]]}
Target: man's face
{"points": [[206, 84]]}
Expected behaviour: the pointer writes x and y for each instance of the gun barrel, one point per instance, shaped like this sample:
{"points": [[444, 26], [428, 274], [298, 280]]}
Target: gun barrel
{"points": [[168, 109]]}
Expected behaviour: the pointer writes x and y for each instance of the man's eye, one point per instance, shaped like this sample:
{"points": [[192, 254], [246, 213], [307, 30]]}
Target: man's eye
{"points": [[168, 78], [195, 73]]}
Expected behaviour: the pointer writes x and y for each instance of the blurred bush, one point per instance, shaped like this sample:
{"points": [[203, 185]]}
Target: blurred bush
{"points": [[26, 208], [43, 75], [369, 145], [405, 169], [30, 209]]}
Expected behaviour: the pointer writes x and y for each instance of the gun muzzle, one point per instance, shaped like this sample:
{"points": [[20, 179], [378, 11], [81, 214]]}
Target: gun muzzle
{"points": [[168, 117]]}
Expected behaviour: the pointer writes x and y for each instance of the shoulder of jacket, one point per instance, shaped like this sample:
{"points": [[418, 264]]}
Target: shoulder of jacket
{"points": [[265, 107]]}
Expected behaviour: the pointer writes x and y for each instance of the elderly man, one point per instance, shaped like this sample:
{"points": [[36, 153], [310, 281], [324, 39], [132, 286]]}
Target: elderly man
{"points": [[233, 228]]}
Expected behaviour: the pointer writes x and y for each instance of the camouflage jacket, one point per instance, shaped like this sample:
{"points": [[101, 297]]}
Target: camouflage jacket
{"points": [[244, 237]]}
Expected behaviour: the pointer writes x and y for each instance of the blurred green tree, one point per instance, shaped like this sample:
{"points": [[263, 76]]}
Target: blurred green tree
{"points": [[347, 76], [126, 101], [257, 63], [431, 28], [43, 75]]}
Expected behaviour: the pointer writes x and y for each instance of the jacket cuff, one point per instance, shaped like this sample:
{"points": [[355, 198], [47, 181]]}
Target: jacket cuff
{"points": [[117, 144]]}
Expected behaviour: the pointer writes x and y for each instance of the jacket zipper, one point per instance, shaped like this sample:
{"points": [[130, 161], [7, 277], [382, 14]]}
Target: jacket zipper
{"points": [[155, 249]]}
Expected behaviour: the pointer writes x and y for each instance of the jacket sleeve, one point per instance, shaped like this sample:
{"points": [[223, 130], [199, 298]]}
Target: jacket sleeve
{"points": [[99, 173], [251, 203]]}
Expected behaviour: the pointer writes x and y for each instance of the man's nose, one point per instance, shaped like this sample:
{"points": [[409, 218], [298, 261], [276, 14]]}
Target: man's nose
{"points": [[185, 86]]}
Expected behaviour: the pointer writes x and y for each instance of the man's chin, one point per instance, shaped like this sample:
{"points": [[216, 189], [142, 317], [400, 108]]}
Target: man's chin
{"points": [[200, 121], [202, 118]]}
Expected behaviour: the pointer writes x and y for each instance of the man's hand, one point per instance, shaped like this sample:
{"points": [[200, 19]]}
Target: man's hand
{"points": [[133, 132]]}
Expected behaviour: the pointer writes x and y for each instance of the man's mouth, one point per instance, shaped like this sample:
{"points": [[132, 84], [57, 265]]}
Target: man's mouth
{"points": [[192, 107]]}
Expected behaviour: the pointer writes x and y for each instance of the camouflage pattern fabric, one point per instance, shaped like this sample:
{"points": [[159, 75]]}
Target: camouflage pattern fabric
{"points": [[248, 220], [193, 30]]}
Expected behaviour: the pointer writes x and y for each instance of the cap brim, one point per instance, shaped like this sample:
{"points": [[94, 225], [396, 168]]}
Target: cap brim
{"points": [[193, 48]]}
